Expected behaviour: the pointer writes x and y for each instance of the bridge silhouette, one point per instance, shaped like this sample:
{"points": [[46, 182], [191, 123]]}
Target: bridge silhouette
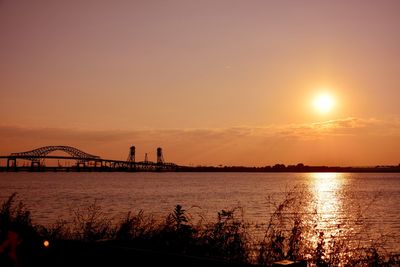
{"points": [[85, 160]]}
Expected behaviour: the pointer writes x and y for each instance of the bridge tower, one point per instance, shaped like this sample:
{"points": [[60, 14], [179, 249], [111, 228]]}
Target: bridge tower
{"points": [[131, 157], [160, 158], [132, 152]]}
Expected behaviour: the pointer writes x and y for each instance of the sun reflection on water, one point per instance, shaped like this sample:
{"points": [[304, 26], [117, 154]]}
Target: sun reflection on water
{"points": [[327, 188]]}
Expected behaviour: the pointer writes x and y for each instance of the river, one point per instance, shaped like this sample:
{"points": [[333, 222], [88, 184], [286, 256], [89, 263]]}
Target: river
{"points": [[339, 199]]}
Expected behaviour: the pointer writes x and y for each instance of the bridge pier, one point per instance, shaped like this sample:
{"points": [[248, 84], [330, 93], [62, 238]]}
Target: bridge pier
{"points": [[11, 162], [132, 166], [35, 164], [98, 163], [81, 164]]}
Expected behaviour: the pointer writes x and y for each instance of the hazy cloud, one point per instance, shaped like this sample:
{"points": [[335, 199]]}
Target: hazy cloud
{"points": [[346, 126], [236, 145]]}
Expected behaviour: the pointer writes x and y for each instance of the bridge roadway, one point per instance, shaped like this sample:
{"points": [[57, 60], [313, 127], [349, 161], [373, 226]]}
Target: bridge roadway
{"points": [[85, 160], [104, 163]]}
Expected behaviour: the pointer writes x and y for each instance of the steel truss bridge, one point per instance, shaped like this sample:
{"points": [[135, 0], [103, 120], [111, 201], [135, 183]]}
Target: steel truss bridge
{"points": [[85, 160]]}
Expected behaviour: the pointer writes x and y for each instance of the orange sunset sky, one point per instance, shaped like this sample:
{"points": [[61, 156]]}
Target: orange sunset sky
{"points": [[212, 82]]}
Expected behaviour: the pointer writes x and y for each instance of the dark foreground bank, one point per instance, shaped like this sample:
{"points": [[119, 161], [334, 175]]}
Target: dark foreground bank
{"points": [[91, 239], [108, 253]]}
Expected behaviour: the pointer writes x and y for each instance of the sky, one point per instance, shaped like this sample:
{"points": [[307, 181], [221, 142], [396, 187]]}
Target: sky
{"points": [[211, 82]]}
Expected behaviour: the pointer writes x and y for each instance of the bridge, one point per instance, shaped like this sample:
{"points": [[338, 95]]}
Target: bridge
{"points": [[86, 161]]}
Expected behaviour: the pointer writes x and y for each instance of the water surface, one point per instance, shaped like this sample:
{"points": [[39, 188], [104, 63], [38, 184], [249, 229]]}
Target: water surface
{"points": [[338, 198]]}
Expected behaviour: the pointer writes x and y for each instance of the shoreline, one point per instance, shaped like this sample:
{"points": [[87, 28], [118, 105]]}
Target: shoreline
{"points": [[268, 169]]}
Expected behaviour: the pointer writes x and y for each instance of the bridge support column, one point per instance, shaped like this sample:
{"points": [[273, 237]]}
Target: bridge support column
{"points": [[80, 164], [98, 163], [35, 164], [11, 162], [132, 166]]}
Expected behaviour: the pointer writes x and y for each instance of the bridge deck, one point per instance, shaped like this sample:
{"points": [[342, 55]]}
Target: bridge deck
{"points": [[112, 161], [83, 159]]}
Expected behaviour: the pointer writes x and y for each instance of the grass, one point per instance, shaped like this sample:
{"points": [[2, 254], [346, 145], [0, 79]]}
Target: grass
{"points": [[292, 232]]}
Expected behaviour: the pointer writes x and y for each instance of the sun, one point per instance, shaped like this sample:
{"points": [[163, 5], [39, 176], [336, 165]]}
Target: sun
{"points": [[324, 103]]}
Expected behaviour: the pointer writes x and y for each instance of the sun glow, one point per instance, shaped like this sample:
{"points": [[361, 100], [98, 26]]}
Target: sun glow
{"points": [[324, 103]]}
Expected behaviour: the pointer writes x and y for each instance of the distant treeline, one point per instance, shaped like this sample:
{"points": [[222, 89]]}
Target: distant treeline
{"points": [[290, 168], [275, 168]]}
